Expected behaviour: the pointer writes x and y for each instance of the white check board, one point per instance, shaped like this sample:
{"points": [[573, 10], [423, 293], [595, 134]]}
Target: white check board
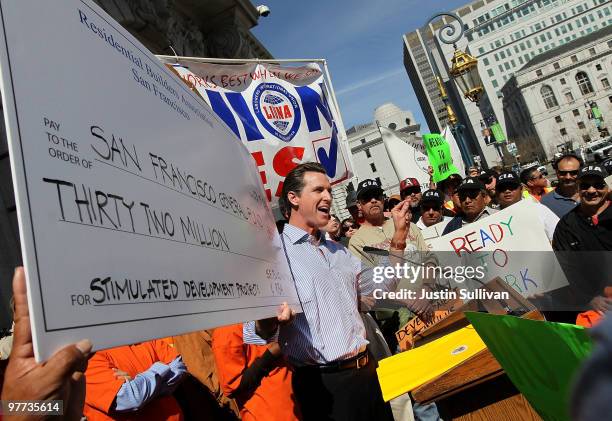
{"points": [[141, 215]]}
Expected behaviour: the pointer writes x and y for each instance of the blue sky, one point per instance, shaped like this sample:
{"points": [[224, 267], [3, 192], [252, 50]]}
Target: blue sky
{"points": [[362, 42]]}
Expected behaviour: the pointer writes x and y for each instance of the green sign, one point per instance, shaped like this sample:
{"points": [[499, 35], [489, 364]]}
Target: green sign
{"points": [[498, 133], [540, 358], [596, 112], [440, 158]]}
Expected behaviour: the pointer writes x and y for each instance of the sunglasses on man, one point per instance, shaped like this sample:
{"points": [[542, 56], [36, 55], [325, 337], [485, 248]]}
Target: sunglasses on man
{"points": [[506, 187], [599, 185], [472, 194], [410, 190], [573, 173], [366, 197], [426, 207]]}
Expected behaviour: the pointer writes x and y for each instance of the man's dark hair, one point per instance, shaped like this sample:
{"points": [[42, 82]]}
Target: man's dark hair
{"points": [[295, 182], [568, 156], [527, 174]]}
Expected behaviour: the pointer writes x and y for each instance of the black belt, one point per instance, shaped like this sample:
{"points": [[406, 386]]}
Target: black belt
{"points": [[357, 362]]}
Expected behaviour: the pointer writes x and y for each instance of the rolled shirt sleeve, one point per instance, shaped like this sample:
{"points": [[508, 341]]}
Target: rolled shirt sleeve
{"points": [[159, 379]]}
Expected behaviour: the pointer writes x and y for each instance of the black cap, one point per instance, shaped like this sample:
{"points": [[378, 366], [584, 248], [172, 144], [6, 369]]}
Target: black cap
{"points": [[508, 177], [471, 183], [351, 199], [368, 185], [594, 170], [607, 164], [453, 178], [486, 174], [432, 196]]}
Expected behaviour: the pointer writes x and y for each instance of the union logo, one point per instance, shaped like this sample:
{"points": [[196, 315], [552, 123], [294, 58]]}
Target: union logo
{"points": [[277, 110]]}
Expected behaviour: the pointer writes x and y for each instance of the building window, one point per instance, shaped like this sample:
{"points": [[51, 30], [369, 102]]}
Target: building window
{"points": [[362, 141], [373, 167], [563, 132], [584, 83], [569, 97], [392, 126], [592, 51], [490, 72], [605, 83], [610, 44], [598, 67], [368, 154], [539, 73], [485, 61], [549, 97], [558, 119], [556, 66], [562, 80], [494, 83], [379, 182], [407, 122], [581, 125], [576, 113], [574, 59]]}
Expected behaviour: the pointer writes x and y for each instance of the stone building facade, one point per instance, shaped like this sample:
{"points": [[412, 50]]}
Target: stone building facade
{"points": [[549, 103]]}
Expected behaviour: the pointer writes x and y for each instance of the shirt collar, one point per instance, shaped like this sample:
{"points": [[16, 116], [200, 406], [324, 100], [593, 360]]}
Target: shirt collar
{"points": [[298, 235], [561, 197]]}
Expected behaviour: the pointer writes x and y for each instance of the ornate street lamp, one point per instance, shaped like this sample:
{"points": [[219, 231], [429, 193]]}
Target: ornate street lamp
{"points": [[464, 71]]}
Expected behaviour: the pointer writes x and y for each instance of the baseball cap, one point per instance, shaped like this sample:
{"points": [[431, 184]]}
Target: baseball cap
{"points": [[594, 170], [453, 178], [351, 199], [409, 182], [486, 175], [607, 164], [508, 177], [367, 186], [432, 195], [471, 183]]}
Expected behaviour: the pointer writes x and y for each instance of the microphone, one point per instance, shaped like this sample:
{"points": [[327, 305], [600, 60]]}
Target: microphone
{"points": [[376, 251]]}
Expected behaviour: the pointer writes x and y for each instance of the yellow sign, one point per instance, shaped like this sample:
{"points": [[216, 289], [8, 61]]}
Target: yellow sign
{"points": [[408, 370]]}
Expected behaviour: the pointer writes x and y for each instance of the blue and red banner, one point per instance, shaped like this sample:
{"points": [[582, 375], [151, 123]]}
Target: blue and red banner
{"points": [[283, 115]]}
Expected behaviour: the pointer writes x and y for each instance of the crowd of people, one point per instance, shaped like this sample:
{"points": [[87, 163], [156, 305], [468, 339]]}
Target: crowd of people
{"points": [[320, 364]]}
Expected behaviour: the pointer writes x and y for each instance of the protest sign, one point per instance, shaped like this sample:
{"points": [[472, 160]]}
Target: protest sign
{"points": [[282, 114], [447, 134], [408, 370], [440, 157], [407, 158], [140, 215], [405, 335], [540, 358], [511, 244], [498, 133]]}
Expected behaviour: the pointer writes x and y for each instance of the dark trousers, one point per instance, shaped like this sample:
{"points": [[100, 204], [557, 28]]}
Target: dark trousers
{"points": [[347, 395]]}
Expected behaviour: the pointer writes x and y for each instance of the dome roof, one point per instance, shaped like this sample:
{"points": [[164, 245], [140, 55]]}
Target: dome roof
{"points": [[387, 112]]}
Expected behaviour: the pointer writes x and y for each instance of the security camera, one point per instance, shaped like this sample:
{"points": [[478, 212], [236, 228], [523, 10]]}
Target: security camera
{"points": [[263, 10]]}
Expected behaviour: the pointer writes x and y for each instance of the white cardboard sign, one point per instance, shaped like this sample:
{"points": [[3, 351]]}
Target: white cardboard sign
{"points": [[511, 244], [141, 215]]}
